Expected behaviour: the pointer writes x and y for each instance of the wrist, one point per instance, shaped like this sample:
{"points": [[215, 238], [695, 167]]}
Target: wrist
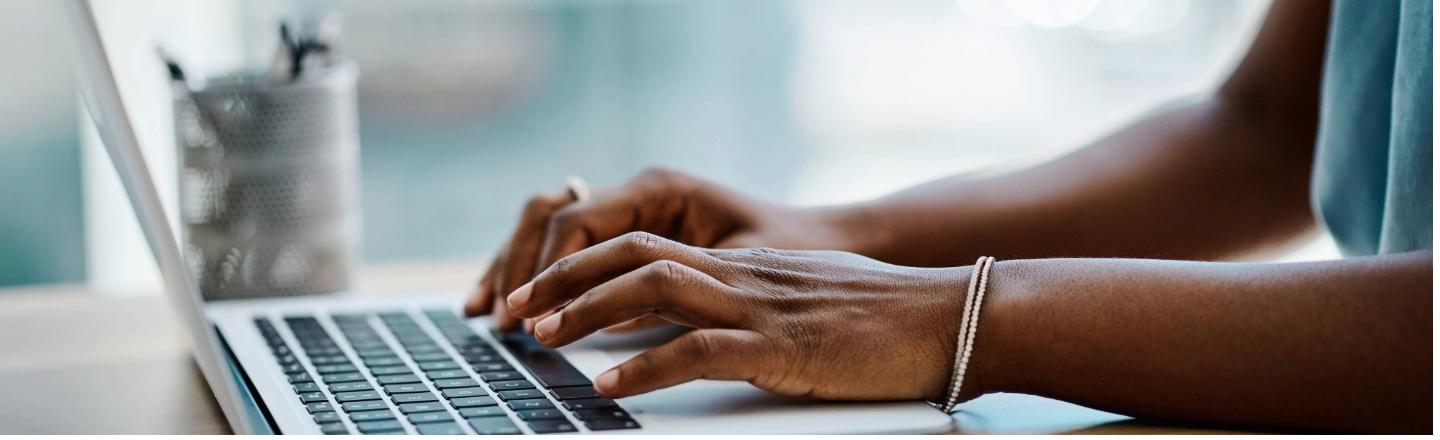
{"points": [[992, 362], [989, 367], [856, 228]]}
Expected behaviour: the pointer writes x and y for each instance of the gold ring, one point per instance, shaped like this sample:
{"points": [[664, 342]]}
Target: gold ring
{"points": [[577, 187]]}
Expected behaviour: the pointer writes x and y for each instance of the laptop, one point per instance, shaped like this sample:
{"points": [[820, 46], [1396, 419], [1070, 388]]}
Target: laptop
{"points": [[346, 364]]}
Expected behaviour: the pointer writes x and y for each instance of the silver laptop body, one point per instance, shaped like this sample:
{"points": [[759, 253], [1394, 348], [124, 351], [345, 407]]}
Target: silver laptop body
{"points": [[352, 364]]}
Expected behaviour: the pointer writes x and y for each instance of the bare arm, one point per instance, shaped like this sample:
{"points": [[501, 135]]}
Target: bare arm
{"points": [[1220, 178], [1330, 346], [1334, 346]]}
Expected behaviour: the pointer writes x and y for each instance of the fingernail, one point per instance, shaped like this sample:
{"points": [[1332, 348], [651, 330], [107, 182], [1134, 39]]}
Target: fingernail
{"points": [[607, 381], [519, 297], [547, 327]]}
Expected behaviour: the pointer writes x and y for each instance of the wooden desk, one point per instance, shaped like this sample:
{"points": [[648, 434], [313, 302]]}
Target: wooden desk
{"points": [[73, 361]]}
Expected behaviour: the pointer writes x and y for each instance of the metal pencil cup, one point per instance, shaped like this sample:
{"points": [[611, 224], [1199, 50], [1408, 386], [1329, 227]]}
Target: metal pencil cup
{"points": [[269, 201]]}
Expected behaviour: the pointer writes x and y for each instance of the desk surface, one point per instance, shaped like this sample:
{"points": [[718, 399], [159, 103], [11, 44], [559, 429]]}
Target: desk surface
{"points": [[74, 361]]}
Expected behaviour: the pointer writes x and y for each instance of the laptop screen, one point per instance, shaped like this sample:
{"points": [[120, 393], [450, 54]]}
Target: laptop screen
{"points": [[102, 99]]}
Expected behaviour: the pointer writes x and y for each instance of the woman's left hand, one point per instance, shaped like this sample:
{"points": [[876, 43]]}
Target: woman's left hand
{"points": [[831, 325]]}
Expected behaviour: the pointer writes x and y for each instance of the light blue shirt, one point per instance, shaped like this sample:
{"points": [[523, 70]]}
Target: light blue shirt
{"points": [[1373, 173]]}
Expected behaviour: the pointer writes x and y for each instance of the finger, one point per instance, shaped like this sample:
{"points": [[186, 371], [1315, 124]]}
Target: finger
{"points": [[671, 290], [701, 354], [579, 225], [500, 314], [529, 323], [637, 324], [482, 297], [529, 234], [573, 275], [499, 311]]}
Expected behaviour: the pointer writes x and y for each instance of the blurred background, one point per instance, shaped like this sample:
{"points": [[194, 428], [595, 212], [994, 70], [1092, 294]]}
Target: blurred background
{"points": [[468, 107]]}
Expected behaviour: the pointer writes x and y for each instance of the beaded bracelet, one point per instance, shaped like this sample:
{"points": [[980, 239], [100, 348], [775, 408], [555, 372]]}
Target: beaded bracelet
{"points": [[969, 321]]}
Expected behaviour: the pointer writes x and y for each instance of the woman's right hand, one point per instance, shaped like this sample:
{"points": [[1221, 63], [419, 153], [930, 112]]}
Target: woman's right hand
{"points": [[659, 201]]}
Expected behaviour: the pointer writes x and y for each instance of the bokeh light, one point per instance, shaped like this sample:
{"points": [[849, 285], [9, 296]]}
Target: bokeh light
{"points": [[1110, 15], [1126, 16], [1053, 13]]}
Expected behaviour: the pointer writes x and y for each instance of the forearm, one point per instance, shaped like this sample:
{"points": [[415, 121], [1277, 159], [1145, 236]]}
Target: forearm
{"points": [[1342, 345], [1196, 182], [1221, 178]]}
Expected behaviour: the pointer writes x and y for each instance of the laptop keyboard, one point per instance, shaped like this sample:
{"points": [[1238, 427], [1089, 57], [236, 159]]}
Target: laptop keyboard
{"points": [[408, 382]]}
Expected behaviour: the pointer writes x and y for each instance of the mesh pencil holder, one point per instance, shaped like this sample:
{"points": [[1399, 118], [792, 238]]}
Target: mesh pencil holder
{"points": [[269, 184]]}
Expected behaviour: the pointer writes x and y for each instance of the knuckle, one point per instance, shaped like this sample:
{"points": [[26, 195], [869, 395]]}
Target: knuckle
{"points": [[700, 345], [564, 219], [764, 251], [663, 272], [641, 243], [560, 271], [661, 174], [539, 205]]}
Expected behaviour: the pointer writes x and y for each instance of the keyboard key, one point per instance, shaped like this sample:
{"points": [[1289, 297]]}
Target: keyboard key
{"points": [[335, 368], [475, 347], [413, 398], [355, 396], [502, 385], [411, 408], [431, 357], [438, 365], [306, 387], [368, 405], [493, 426], [611, 424], [361, 416], [379, 425], [299, 377], [390, 371], [330, 351], [318, 407], [375, 353], [406, 388], [370, 345], [427, 417], [333, 428], [349, 386], [530, 404], [397, 378], [501, 375], [579, 404], [464, 402], [601, 413], [383, 362], [537, 414], [567, 393], [292, 368], [328, 360], [521, 394], [342, 377], [549, 426], [444, 428], [427, 348], [463, 392], [483, 358], [312, 397], [455, 383], [493, 366], [548, 367], [327, 416], [446, 374], [481, 411]]}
